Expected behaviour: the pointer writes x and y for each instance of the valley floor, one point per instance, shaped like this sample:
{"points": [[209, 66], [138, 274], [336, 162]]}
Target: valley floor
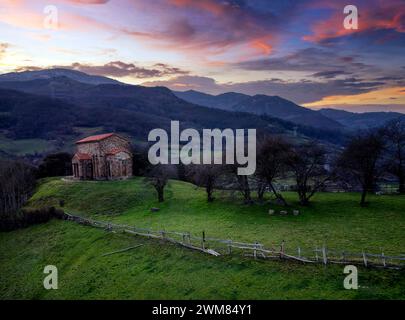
{"points": [[163, 271]]}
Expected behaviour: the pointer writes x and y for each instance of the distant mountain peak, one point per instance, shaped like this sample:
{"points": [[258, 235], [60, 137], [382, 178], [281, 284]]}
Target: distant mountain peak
{"points": [[57, 73]]}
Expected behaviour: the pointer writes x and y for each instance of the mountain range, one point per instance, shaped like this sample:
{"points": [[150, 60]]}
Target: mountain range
{"points": [[60, 110], [61, 105], [278, 107], [273, 106]]}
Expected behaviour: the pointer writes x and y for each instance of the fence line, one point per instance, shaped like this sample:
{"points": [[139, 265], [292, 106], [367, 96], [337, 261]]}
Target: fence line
{"points": [[216, 247]]}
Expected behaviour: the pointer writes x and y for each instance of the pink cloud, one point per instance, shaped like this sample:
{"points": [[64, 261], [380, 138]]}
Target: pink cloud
{"points": [[373, 15], [204, 27], [20, 14]]}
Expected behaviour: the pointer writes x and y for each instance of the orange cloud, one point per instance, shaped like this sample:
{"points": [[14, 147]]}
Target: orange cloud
{"points": [[394, 95], [262, 46]]}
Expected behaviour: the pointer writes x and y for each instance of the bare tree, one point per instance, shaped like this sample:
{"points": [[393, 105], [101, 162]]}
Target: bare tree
{"points": [[272, 157], [261, 186], [207, 175], [17, 181], [307, 163], [158, 176], [242, 182], [361, 162], [394, 135]]}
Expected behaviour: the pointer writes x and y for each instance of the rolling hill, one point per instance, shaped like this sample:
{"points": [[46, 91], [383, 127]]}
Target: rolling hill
{"points": [[225, 101], [281, 108], [132, 109], [364, 120], [273, 106]]}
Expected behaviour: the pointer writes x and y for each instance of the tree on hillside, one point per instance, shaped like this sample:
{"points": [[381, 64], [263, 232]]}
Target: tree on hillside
{"points": [[158, 176], [242, 182], [307, 163], [271, 163], [394, 136], [361, 162], [17, 181], [207, 175], [261, 187], [55, 165]]}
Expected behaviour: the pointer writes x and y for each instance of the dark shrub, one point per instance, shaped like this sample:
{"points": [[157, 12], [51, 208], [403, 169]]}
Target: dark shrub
{"points": [[56, 165], [28, 217]]}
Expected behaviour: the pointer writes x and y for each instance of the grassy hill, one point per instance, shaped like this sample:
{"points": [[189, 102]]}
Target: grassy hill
{"points": [[160, 270]]}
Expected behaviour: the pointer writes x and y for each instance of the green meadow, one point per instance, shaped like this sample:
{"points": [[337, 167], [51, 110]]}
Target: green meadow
{"points": [[158, 270]]}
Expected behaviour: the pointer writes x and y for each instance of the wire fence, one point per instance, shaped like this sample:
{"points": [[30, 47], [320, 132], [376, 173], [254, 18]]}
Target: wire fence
{"points": [[218, 247]]}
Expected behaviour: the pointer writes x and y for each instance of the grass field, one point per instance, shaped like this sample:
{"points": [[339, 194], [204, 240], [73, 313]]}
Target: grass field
{"points": [[334, 219], [163, 271], [24, 146]]}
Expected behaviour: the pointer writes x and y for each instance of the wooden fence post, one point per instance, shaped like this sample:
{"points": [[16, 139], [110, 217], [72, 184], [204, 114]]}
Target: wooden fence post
{"points": [[260, 246], [316, 254], [365, 259], [299, 252], [255, 250], [383, 259], [325, 258], [282, 249], [229, 247], [203, 240]]}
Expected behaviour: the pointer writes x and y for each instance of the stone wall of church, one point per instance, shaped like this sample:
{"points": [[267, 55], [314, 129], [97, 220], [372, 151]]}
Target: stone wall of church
{"points": [[90, 148], [120, 165], [83, 170], [112, 143]]}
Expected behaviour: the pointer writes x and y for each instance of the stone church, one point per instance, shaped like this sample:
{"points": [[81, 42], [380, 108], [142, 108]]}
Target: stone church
{"points": [[102, 157]]}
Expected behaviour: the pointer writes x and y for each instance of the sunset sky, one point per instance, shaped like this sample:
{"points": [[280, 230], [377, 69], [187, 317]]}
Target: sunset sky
{"points": [[298, 49]]}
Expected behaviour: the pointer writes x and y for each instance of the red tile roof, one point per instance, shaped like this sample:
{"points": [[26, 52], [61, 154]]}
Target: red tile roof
{"points": [[82, 156], [96, 138]]}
